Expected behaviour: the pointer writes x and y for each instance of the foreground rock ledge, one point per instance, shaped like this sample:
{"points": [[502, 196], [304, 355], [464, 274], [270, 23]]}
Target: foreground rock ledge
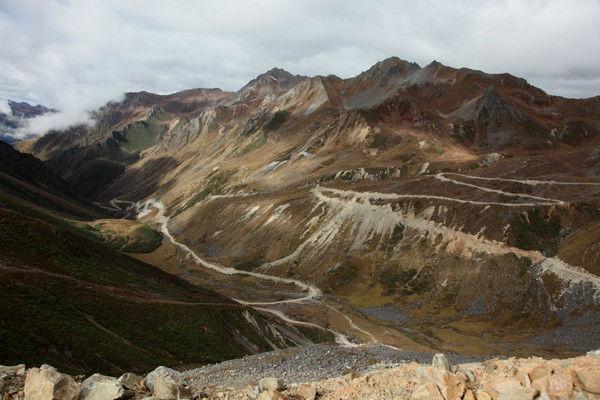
{"points": [[531, 378]]}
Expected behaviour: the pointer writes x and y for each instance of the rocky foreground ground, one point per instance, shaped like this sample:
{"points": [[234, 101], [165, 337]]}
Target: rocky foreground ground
{"points": [[369, 375]]}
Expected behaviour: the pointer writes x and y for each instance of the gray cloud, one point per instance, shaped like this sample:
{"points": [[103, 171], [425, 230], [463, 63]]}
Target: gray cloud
{"points": [[4, 107], [76, 55]]}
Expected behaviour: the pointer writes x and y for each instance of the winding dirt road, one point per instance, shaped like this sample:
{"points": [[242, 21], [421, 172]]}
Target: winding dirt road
{"points": [[345, 204], [313, 293]]}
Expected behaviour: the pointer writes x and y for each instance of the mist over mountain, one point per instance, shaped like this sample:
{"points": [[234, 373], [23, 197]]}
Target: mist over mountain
{"points": [[15, 119]]}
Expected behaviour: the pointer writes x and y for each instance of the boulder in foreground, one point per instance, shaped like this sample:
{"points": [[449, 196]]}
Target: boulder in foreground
{"points": [[46, 383]]}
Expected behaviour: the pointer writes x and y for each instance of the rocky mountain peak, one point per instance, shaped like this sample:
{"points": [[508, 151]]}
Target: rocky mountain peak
{"points": [[26, 110], [493, 105], [275, 81], [434, 64], [278, 75], [388, 70]]}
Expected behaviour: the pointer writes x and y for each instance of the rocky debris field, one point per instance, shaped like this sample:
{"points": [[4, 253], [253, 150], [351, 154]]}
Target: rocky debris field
{"points": [[306, 363], [408, 376]]}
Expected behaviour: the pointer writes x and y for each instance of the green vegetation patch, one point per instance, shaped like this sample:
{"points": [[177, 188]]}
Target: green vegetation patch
{"points": [[142, 135], [524, 265], [45, 201], [406, 157], [217, 120], [256, 144], [344, 274], [370, 115], [277, 120], [212, 187], [396, 236], [42, 216], [408, 281], [247, 265], [317, 335], [533, 129], [379, 140], [146, 241], [327, 162], [536, 232]]}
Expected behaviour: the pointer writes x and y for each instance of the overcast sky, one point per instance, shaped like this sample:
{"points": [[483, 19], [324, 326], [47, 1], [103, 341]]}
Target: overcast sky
{"points": [[76, 55]]}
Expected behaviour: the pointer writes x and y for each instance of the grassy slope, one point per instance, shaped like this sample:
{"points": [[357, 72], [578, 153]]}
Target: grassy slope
{"points": [[74, 303], [583, 248], [142, 135], [141, 239]]}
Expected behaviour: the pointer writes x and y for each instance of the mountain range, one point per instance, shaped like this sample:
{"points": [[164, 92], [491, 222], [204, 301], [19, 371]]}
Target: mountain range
{"points": [[20, 112], [417, 207]]}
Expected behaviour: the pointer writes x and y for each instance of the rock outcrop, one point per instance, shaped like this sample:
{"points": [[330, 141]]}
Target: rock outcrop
{"points": [[100, 387], [162, 371], [496, 379], [46, 383]]}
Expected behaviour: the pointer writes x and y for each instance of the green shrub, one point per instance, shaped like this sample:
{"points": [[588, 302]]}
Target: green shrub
{"points": [[327, 162], [379, 140], [396, 236], [536, 232], [369, 115], [146, 241], [258, 143], [277, 120], [406, 157], [344, 274]]}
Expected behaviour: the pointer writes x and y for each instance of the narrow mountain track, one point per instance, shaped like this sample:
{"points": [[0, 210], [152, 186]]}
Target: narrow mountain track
{"points": [[344, 207], [348, 202], [531, 182], [312, 292]]}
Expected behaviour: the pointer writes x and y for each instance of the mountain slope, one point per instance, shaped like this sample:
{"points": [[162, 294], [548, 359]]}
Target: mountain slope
{"points": [[432, 205], [25, 178], [71, 301], [11, 123]]}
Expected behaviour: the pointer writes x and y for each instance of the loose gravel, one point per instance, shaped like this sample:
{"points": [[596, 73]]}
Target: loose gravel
{"points": [[307, 363]]}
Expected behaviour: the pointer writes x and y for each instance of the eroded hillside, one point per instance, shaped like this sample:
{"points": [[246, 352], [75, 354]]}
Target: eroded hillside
{"points": [[415, 207]]}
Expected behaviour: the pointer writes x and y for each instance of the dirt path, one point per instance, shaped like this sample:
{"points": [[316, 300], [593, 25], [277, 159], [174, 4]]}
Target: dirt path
{"points": [[347, 205], [531, 182], [313, 293], [369, 216]]}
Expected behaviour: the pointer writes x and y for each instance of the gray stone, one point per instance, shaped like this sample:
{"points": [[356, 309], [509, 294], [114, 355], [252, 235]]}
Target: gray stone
{"points": [[518, 394], [427, 391], [440, 361], [100, 387], [270, 395], [162, 371], [593, 353], [491, 159], [130, 380], [13, 370], [306, 391], [168, 387], [45, 383], [270, 385]]}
